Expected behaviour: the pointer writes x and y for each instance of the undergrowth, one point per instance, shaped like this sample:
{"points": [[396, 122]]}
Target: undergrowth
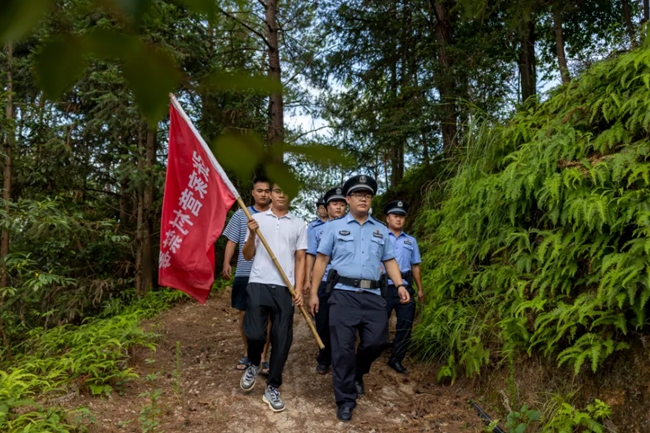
{"points": [[90, 358], [542, 243]]}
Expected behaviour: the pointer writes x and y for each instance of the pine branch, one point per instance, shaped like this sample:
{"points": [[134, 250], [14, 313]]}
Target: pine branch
{"points": [[244, 24]]}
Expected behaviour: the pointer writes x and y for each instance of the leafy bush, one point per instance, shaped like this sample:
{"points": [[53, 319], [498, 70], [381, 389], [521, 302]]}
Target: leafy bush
{"points": [[542, 242], [64, 264], [567, 419], [517, 422]]}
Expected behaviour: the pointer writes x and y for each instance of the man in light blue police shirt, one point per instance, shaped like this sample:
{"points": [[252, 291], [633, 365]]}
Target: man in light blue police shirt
{"points": [[336, 205], [355, 245], [407, 255], [321, 211]]}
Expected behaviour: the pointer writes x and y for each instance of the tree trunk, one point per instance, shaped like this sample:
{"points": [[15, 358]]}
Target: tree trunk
{"points": [[445, 82], [397, 164], [276, 107], [147, 247], [8, 150], [397, 82], [559, 45], [646, 11], [6, 190], [527, 67], [627, 17], [125, 215], [139, 219], [144, 256]]}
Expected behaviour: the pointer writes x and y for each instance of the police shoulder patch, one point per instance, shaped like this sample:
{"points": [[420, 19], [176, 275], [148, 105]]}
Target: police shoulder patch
{"points": [[344, 232]]}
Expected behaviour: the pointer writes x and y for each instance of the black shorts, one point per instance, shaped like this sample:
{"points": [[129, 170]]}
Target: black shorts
{"points": [[238, 293]]}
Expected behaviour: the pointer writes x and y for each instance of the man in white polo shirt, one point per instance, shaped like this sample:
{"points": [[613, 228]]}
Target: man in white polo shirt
{"points": [[267, 293]]}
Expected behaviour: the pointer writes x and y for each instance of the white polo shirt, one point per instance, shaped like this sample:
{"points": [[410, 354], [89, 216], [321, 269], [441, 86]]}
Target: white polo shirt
{"points": [[285, 235]]}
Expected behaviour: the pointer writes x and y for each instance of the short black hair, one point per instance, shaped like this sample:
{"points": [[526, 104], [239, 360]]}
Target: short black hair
{"points": [[261, 179]]}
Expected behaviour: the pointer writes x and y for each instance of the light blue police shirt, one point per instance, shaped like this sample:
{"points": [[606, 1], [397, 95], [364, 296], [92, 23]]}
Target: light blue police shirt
{"points": [[407, 252], [313, 224], [313, 239], [356, 250]]}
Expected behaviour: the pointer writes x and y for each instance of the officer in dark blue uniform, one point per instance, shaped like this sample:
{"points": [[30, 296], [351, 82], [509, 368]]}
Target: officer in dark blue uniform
{"points": [[408, 258], [335, 204], [356, 246], [321, 211]]}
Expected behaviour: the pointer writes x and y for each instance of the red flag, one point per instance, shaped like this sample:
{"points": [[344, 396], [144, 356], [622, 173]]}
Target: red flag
{"points": [[197, 197]]}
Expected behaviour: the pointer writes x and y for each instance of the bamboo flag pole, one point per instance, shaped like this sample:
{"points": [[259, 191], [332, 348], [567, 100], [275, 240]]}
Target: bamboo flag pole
{"points": [[241, 203], [282, 274]]}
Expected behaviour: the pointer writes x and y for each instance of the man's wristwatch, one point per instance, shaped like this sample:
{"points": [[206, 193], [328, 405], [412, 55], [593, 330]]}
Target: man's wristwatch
{"points": [[400, 285]]}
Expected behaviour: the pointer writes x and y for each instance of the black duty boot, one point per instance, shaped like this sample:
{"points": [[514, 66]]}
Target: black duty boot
{"points": [[398, 367], [344, 413]]}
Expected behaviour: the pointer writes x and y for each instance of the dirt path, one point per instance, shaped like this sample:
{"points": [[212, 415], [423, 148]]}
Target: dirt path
{"points": [[207, 398]]}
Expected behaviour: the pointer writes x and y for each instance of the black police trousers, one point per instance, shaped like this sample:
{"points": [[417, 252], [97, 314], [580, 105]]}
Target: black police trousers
{"points": [[266, 300], [323, 326], [405, 314], [351, 312]]}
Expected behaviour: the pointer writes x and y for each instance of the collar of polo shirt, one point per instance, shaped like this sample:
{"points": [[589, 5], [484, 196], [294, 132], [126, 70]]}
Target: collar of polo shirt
{"points": [[270, 212]]}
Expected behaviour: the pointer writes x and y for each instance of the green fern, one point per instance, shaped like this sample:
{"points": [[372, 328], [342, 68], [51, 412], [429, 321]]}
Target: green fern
{"points": [[549, 237], [91, 355]]}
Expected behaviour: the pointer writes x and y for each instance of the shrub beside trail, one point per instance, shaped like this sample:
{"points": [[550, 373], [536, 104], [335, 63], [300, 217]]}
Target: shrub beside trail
{"points": [[542, 243], [89, 358]]}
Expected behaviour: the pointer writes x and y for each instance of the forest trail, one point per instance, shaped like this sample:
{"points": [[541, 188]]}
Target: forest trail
{"points": [[207, 398]]}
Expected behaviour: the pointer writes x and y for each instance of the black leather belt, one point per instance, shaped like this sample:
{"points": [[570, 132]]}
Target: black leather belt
{"points": [[359, 283]]}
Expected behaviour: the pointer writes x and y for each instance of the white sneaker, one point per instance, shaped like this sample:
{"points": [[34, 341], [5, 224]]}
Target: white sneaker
{"points": [[247, 381], [272, 398]]}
